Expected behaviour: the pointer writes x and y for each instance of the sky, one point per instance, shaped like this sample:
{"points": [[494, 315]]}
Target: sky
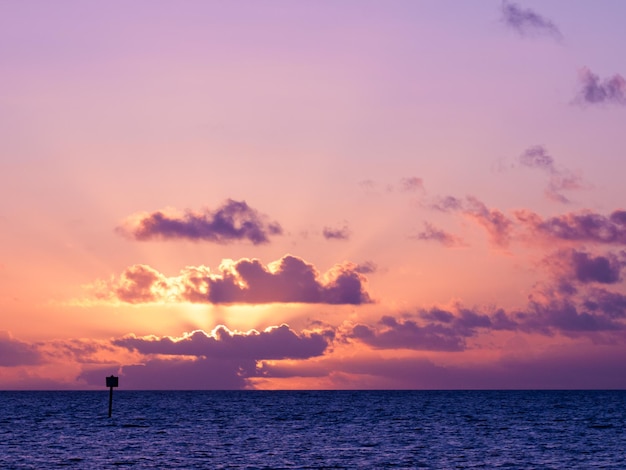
{"points": [[312, 195]]}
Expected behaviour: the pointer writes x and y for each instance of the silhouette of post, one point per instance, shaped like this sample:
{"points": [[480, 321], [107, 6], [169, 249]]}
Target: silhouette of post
{"points": [[112, 382]]}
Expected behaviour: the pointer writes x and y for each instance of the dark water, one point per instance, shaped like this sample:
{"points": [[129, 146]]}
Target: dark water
{"points": [[363, 429]]}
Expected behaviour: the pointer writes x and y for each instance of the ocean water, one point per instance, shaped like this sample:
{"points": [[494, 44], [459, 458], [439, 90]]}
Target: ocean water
{"points": [[314, 429]]}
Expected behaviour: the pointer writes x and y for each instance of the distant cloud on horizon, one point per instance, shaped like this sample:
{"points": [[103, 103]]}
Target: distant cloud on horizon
{"points": [[232, 221], [527, 22]]}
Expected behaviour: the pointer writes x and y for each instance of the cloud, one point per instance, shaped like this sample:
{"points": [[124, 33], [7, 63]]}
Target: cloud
{"points": [[411, 184], [430, 232], [560, 180], [178, 374], [407, 334], [585, 226], [277, 342], [233, 221], [595, 91], [366, 267], [245, 281], [498, 226], [336, 233], [572, 265], [222, 359], [14, 352], [527, 22], [578, 367], [602, 269]]}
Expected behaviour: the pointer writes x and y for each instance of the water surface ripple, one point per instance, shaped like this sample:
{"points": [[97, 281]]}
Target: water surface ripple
{"points": [[314, 429]]}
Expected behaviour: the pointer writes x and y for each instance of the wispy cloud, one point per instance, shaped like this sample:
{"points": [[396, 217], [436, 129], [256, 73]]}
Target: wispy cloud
{"points": [[430, 232], [495, 222], [527, 22], [559, 180], [593, 90], [232, 221], [411, 184], [245, 281]]}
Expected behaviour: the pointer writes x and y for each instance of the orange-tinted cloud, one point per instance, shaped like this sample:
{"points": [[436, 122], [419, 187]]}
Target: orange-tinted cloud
{"points": [[233, 221], [245, 281]]}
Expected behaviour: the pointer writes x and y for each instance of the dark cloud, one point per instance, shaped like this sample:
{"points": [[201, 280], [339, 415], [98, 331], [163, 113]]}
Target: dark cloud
{"points": [[537, 157], [246, 281], [336, 233], [291, 280], [407, 334], [430, 232], [14, 352], [583, 226], [595, 91], [603, 269], [233, 221], [527, 22], [220, 360], [561, 369], [178, 374], [279, 342], [566, 317], [577, 266]]}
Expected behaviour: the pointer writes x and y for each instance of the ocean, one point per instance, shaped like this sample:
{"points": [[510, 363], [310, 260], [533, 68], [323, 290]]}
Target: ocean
{"points": [[314, 429]]}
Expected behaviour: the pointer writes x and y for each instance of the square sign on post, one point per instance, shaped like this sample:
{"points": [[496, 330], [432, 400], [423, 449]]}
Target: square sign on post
{"points": [[112, 382]]}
